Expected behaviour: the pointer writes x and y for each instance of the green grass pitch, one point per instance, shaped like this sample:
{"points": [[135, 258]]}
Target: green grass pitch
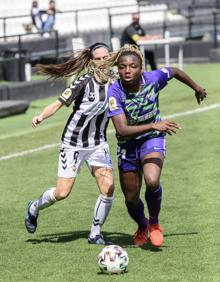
{"points": [[59, 251]]}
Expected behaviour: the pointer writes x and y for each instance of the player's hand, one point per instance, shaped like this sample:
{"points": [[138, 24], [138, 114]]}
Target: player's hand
{"points": [[36, 120], [168, 126], [200, 94]]}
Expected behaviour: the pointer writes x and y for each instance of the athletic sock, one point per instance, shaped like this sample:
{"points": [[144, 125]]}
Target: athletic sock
{"points": [[44, 201], [101, 211], [137, 213], [153, 200]]}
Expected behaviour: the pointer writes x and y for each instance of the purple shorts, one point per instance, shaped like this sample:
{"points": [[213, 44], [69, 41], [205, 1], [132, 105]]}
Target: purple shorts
{"points": [[131, 154]]}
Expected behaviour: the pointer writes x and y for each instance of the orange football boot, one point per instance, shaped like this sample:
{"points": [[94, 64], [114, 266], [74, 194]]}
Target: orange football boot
{"points": [[140, 237], [156, 234]]}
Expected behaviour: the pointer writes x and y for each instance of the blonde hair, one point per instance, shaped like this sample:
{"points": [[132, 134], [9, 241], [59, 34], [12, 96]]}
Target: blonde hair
{"points": [[128, 49]]}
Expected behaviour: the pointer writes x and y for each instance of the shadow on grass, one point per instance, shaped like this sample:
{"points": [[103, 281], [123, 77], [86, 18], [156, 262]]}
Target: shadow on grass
{"points": [[112, 274], [181, 234], [151, 248], [117, 238]]}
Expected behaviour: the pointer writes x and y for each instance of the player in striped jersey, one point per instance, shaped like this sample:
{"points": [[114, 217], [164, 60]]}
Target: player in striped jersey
{"points": [[84, 136], [134, 108]]}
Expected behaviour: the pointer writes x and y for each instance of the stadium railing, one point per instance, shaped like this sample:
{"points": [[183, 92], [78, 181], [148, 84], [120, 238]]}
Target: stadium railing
{"points": [[193, 20], [18, 56], [75, 12]]}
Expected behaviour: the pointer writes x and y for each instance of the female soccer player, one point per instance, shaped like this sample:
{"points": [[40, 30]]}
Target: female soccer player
{"points": [[84, 136], [134, 109]]}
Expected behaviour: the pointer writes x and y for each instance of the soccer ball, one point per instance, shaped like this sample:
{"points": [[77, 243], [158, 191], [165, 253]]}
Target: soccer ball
{"points": [[113, 259]]}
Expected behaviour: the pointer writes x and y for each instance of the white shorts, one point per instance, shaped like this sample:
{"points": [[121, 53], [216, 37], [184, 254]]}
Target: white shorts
{"points": [[71, 159]]}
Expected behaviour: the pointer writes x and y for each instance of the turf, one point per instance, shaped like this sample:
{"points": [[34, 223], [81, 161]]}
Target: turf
{"points": [[59, 251]]}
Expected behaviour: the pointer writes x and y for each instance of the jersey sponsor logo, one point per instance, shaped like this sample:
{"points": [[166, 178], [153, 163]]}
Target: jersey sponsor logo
{"points": [[66, 94], [147, 115], [112, 104]]}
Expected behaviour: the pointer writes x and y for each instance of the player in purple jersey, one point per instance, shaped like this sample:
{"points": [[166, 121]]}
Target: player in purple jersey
{"points": [[84, 136], [134, 109]]}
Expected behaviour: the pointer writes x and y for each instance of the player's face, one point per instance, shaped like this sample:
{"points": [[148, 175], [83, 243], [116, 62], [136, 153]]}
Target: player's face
{"points": [[129, 70], [100, 54]]}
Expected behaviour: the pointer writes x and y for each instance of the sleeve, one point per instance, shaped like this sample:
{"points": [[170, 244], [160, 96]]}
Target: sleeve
{"points": [[114, 102], [73, 91], [163, 76], [66, 98]]}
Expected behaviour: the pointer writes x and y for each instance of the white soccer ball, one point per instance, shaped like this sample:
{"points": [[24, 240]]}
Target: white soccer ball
{"points": [[113, 259]]}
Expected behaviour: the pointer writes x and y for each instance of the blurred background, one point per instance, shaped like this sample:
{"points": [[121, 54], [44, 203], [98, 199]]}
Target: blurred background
{"points": [[43, 32], [76, 24]]}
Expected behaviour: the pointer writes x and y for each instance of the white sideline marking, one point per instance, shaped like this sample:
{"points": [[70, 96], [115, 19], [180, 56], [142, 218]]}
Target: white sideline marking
{"points": [[199, 110], [49, 146], [28, 131], [45, 147]]}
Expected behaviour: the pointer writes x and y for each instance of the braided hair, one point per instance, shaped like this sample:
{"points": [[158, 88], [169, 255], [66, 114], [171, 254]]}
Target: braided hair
{"points": [[127, 49]]}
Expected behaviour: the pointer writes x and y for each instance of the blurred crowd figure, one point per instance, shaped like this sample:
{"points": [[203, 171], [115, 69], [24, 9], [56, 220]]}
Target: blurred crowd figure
{"points": [[44, 20], [134, 32], [36, 16]]}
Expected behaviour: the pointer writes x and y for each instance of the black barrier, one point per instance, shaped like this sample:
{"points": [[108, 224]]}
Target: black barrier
{"points": [[14, 60], [9, 108], [12, 69], [12, 65], [4, 95], [32, 90]]}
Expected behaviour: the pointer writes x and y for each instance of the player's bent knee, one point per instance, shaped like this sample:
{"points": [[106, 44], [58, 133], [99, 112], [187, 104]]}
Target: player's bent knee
{"points": [[63, 188], [132, 198], [61, 195], [152, 184], [110, 190]]}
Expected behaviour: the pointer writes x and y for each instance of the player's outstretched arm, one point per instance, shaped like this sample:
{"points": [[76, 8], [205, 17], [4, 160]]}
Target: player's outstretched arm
{"points": [[46, 113], [200, 92], [123, 129]]}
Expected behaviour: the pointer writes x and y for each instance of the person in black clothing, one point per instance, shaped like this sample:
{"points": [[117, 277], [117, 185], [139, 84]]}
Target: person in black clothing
{"points": [[135, 32]]}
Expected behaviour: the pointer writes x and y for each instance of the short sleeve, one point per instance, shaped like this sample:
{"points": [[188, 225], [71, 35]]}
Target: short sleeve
{"points": [[161, 76], [66, 98], [114, 101], [75, 90]]}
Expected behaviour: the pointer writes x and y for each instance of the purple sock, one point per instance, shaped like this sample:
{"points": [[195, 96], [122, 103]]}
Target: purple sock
{"points": [[137, 213], [153, 200]]}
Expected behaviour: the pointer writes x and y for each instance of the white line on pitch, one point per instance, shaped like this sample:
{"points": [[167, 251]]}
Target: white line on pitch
{"points": [[49, 146], [44, 147], [199, 110]]}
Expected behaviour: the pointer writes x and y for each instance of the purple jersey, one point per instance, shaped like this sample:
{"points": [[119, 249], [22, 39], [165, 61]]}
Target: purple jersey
{"points": [[141, 107]]}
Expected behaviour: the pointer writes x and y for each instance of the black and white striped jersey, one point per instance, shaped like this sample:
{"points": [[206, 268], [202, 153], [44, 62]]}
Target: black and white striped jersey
{"points": [[86, 126]]}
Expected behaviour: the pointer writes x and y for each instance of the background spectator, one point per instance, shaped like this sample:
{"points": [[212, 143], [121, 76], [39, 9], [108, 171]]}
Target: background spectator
{"points": [[51, 15], [36, 16], [135, 32]]}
